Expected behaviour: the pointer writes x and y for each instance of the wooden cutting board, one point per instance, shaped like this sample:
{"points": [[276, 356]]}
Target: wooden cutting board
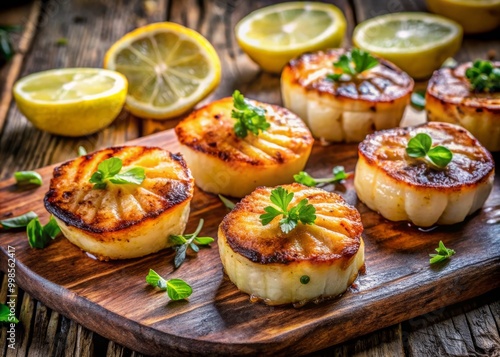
{"points": [[113, 299]]}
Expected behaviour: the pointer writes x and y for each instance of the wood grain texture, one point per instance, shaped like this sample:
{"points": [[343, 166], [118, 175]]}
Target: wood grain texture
{"points": [[218, 318]]}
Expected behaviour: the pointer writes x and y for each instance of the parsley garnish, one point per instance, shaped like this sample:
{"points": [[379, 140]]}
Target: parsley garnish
{"points": [[304, 178], [362, 61], [177, 289], [443, 253], [483, 76], [420, 146], [28, 178], [182, 242], [109, 170], [39, 236], [19, 221], [248, 117], [418, 99], [302, 212], [6, 316]]}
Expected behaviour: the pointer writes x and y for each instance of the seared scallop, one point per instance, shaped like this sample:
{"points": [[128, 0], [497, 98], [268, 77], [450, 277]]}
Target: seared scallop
{"points": [[224, 163], [311, 262], [344, 110], [122, 220], [450, 99], [402, 188]]}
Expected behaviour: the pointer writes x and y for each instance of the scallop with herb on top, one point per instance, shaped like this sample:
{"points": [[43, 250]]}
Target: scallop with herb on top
{"points": [[343, 96]]}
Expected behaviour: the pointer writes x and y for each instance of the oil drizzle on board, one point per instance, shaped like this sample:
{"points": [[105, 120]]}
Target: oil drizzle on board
{"points": [[398, 284]]}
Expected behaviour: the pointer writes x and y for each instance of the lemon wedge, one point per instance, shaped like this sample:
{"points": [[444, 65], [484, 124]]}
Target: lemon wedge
{"points": [[273, 35], [475, 16], [416, 42], [170, 68], [71, 101]]}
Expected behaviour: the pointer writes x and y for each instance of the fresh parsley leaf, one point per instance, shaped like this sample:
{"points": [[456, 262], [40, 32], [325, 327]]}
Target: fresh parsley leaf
{"points": [[6, 316], [420, 147], [228, 203], [177, 289], [249, 118], [338, 172], [362, 61], [28, 178], [483, 76], [39, 236], [302, 212], [418, 99], [443, 253], [109, 171], [82, 151], [19, 221], [182, 242]]}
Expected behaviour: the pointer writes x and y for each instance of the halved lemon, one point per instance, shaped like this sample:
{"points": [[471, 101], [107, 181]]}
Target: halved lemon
{"points": [[71, 101], [475, 16], [416, 42], [170, 68], [275, 34]]}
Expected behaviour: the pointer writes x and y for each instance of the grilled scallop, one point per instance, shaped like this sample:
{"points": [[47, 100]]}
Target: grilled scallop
{"points": [[450, 99], [309, 263], [125, 220], [342, 110], [402, 188], [223, 163]]}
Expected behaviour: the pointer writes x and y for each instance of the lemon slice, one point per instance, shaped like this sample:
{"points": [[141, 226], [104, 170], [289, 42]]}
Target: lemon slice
{"points": [[71, 101], [475, 16], [273, 35], [416, 42], [170, 68]]}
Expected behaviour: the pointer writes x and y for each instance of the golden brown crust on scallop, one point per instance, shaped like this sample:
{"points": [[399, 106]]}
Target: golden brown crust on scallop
{"points": [[209, 130], [72, 199], [335, 235], [471, 164], [383, 83], [450, 86]]}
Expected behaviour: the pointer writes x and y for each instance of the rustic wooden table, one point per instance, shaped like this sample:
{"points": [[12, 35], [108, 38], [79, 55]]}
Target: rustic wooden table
{"points": [[90, 27]]}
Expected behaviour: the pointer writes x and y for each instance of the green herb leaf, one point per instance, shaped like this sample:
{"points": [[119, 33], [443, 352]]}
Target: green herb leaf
{"points": [[19, 221], [305, 279], [483, 76], [5, 315], [418, 99], [6, 48], [420, 146], [182, 242], [63, 41], [39, 236], [178, 289], [443, 253], [155, 280], [304, 178], [109, 171], [362, 61], [249, 118], [28, 178], [82, 151], [302, 212], [228, 203]]}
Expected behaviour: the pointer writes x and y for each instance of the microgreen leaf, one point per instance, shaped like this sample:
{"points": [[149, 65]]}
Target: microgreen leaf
{"points": [[302, 212], [249, 118], [5, 315], [155, 280], [19, 221], [178, 289], [28, 178], [39, 236], [418, 99], [228, 203], [443, 253], [182, 242], [483, 76], [362, 61], [82, 151], [420, 147], [109, 171], [304, 178]]}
